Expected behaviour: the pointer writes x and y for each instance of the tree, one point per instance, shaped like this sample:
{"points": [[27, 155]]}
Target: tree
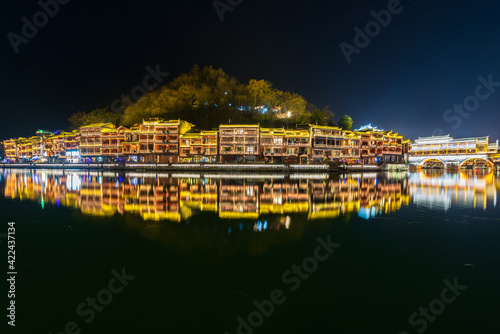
{"points": [[209, 97], [345, 122], [317, 118], [321, 117], [104, 115]]}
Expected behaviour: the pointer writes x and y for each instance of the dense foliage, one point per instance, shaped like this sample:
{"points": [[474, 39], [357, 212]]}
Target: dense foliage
{"points": [[209, 97]]}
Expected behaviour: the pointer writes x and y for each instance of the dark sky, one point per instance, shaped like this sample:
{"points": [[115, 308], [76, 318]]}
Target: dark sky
{"points": [[428, 58]]}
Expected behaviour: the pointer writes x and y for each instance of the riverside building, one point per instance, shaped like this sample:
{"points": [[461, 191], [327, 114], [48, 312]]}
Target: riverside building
{"points": [[161, 141]]}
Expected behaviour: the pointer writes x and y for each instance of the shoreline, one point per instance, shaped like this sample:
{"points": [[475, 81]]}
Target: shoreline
{"points": [[283, 168]]}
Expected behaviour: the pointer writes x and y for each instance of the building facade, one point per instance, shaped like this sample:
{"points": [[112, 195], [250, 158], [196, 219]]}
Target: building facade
{"points": [[273, 145], [112, 143], [449, 152], [91, 141], [297, 146], [326, 142], [239, 143], [160, 141]]}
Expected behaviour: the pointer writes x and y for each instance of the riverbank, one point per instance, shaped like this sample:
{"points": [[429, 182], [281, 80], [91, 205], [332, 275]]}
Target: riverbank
{"points": [[213, 167]]}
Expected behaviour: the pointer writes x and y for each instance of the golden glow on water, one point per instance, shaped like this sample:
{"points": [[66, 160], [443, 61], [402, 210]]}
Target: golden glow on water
{"points": [[158, 197]]}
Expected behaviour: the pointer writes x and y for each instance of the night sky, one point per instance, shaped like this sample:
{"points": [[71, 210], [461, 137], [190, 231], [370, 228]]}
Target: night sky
{"points": [[427, 59]]}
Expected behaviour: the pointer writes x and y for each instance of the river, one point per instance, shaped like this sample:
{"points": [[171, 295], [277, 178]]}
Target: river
{"points": [[139, 252]]}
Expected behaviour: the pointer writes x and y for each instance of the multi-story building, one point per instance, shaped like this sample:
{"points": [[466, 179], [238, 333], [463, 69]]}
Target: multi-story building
{"points": [[159, 139], [49, 148], [190, 148], [297, 146], [272, 144], [59, 147], [210, 143], [37, 148], [351, 148], [131, 144], [72, 146], [199, 147], [326, 142], [372, 142], [392, 148], [112, 143], [379, 146], [10, 147], [239, 142], [24, 149], [91, 140]]}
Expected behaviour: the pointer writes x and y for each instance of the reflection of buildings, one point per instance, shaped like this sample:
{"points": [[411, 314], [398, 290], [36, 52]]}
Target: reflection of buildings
{"points": [[160, 197], [366, 194], [284, 196], [440, 190], [239, 199]]}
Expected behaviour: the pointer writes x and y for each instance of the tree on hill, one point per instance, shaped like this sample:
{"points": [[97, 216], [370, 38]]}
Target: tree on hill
{"points": [[209, 97], [345, 122], [103, 115]]}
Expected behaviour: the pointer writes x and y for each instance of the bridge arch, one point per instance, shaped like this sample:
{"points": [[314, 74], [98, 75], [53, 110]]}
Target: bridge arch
{"points": [[431, 159], [488, 162]]}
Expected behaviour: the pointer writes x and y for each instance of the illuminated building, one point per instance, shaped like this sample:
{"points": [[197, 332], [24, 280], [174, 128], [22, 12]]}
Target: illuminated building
{"points": [[112, 143], [495, 158], [72, 146], [37, 148], [190, 148], [199, 147], [91, 141], [56, 147], [239, 142], [130, 144], [351, 148], [10, 148], [379, 146], [326, 142], [210, 143], [445, 151], [272, 144], [49, 144], [297, 146], [159, 139], [24, 149]]}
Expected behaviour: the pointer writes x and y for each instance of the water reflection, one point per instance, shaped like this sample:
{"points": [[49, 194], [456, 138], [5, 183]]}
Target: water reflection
{"points": [[178, 197], [438, 190]]}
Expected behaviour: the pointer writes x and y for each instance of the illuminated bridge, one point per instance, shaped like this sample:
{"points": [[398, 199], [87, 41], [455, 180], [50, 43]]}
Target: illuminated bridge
{"points": [[447, 152]]}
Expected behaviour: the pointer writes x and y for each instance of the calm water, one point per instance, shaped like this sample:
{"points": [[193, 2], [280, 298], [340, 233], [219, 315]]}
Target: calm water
{"points": [[203, 249]]}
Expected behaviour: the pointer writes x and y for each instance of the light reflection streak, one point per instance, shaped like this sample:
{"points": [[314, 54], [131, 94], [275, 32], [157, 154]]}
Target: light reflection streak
{"points": [[156, 196]]}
